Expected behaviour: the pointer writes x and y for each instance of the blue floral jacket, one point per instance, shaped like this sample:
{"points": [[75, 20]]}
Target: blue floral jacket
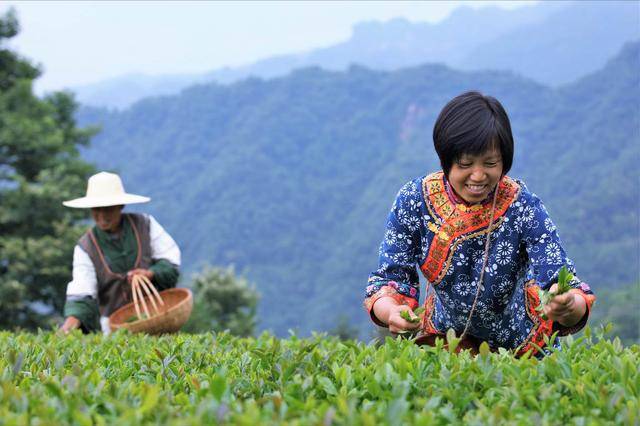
{"points": [[430, 227]]}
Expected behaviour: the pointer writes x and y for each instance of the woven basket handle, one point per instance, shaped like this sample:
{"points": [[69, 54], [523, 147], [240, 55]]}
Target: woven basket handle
{"points": [[141, 287]]}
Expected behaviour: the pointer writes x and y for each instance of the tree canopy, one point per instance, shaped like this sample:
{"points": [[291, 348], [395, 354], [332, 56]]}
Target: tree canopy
{"points": [[39, 167], [222, 301]]}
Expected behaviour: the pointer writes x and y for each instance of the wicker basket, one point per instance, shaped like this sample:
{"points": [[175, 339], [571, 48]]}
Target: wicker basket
{"points": [[178, 303]]}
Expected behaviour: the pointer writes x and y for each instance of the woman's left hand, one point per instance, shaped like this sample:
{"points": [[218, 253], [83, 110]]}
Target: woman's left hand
{"points": [[146, 272], [567, 308]]}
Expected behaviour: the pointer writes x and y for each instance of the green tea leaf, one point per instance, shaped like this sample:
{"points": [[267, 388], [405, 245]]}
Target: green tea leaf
{"points": [[452, 340], [484, 349], [327, 386], [150, 399], [407, 317], [564, 278], [218, 387]]}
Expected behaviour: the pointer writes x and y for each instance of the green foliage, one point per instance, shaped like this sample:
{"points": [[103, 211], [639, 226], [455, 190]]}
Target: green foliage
{"points": [[220, 379], [222, 301], [619, 307], [39, 167]]}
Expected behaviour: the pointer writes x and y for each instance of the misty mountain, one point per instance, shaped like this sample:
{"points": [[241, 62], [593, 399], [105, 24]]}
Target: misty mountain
{"points": [[571, 42], [551, 42], [290, 179]]}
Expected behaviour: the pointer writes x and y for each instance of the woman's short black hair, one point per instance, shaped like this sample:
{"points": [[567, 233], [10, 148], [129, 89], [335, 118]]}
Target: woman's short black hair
{"points": [[472, 123]]}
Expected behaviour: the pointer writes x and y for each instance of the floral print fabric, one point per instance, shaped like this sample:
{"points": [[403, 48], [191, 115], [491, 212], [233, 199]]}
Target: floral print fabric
{"points": [[430, 228]]}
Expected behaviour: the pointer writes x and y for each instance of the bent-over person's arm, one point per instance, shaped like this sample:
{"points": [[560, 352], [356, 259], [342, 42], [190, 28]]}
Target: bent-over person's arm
{"points": [[81, 306]]}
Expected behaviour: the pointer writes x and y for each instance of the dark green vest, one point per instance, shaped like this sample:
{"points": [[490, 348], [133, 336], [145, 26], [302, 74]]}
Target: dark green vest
{"points": [[113, 289]]}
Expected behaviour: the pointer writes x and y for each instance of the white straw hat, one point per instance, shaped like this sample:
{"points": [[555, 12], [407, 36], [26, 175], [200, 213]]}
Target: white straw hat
{"points": [[103, 190]]}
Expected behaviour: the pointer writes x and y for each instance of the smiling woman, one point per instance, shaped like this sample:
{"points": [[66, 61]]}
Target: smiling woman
{"points": [[488, 294]]}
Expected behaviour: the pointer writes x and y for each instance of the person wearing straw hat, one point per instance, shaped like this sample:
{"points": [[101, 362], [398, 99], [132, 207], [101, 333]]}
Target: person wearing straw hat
{"points": [[107, 257]]}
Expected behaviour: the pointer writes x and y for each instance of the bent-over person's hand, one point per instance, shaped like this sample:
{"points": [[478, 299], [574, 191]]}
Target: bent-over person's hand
{"points": [[146, 272], [70, 323], [566, 309]]}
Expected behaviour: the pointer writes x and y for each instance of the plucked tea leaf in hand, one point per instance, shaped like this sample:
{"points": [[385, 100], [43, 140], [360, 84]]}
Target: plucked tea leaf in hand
{"points": [[564, 278], [407, 317]]}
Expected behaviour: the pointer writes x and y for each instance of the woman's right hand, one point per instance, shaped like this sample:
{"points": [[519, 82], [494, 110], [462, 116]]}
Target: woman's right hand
{"points": [[397, 324], [70, 323], [387, 310]]}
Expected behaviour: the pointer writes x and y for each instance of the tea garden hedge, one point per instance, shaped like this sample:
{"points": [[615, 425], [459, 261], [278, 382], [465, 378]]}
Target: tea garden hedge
{"points": [[124, 379]]}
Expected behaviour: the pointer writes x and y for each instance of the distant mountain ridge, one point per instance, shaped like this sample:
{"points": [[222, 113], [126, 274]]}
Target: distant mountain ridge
{"points": [[572, 41], [291, 179], [551, 42]]}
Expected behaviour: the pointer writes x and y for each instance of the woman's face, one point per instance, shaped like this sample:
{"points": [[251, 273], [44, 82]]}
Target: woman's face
{"points": [[474, 177], [107, 218]]}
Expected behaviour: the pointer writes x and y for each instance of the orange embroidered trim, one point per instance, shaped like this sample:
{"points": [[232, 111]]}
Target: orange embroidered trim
{"points": [[458, 221], [427, 319], [588, 298], [540, 329]]}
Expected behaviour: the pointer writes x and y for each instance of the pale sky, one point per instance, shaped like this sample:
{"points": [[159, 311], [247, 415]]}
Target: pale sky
{"points": [[84, 42]]}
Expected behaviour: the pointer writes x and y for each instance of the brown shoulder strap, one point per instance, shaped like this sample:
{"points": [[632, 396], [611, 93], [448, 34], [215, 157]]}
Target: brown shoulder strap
{"points": [[100, 254]]}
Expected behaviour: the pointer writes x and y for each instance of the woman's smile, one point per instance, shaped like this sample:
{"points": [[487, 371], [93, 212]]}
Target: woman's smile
{"points": [[476, 189], [473, 177]]}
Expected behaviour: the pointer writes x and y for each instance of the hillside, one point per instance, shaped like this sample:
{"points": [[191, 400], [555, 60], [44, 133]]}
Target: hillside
{"points": [[291, 179]]}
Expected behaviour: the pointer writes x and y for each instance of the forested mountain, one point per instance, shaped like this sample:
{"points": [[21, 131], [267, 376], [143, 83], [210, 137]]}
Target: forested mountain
{"points": [[551, 42], [291, 179]]}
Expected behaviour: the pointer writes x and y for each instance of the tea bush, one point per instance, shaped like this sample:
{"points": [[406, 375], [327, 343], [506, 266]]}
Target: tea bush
{"points": [[183, 379]]}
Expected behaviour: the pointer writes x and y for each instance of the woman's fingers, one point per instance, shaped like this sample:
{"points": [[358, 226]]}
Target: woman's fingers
{"points": [[560, 306], [398, 325]]}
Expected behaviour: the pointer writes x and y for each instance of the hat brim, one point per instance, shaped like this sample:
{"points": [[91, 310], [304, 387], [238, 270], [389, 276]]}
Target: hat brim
{"points": [[115, 200]]}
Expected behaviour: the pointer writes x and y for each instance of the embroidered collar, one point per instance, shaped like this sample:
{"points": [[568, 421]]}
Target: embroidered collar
{"points": [[454, 222]]}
